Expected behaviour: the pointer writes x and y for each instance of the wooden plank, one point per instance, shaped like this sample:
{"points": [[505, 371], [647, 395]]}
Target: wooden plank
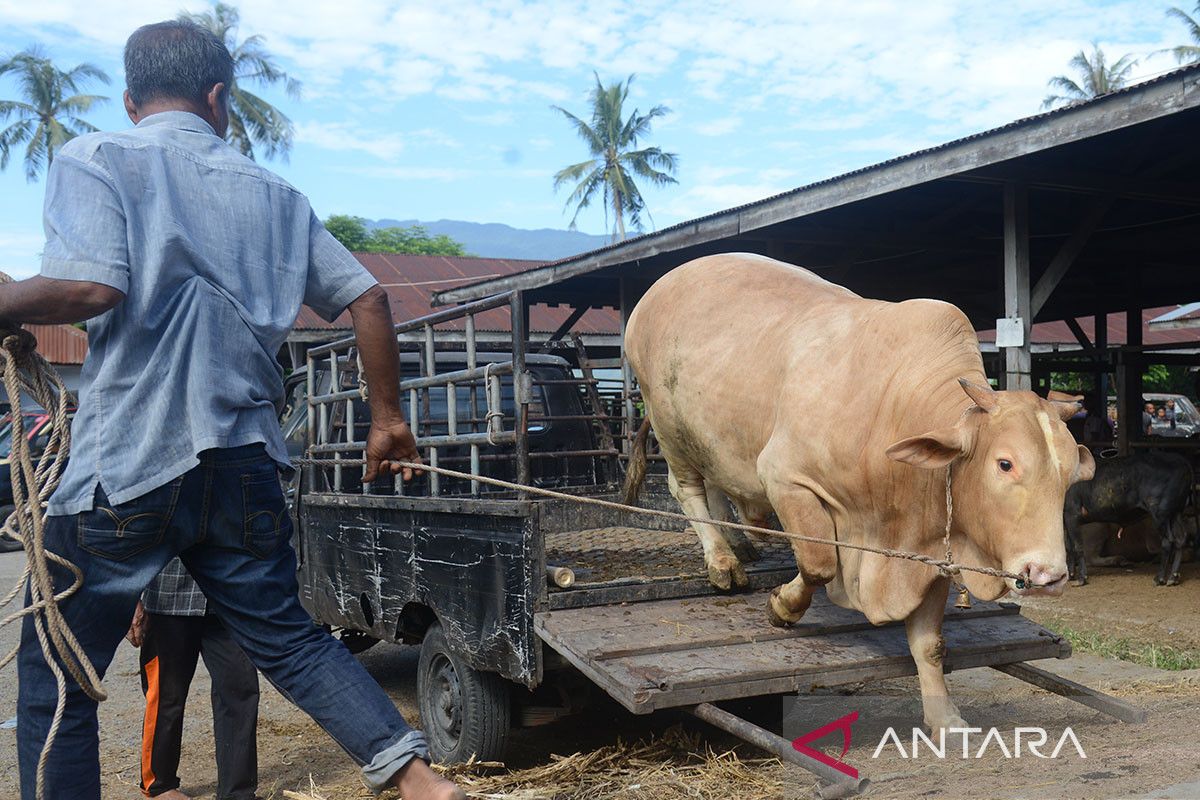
{"points": [[714, 660], [1075, 691], [1085, 121], [712, 620], [808, 656]]}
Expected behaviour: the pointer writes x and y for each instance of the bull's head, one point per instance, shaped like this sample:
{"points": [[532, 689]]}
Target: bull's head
{"points": [[1013, 461]]}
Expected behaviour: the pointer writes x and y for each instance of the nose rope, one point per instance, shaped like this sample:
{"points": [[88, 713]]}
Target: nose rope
{"points": [[943, 566], [964, 596]]}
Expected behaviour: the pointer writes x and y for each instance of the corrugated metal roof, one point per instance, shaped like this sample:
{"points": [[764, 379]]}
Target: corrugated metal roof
{"points": [[1059, 333], [60, 344], [410, 282]]}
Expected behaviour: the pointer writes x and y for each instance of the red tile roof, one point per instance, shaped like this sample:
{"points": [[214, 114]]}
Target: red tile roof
{"points": [[60, 344], [1059, 333], [410, 282]]}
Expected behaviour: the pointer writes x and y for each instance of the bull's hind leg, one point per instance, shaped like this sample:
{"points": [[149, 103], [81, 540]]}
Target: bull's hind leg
{"points": [[801, 511], [719, 509], [687, 487]]}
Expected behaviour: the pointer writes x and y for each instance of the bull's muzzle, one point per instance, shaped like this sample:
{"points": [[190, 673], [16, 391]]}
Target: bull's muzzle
{"points": [[1040, 580]]}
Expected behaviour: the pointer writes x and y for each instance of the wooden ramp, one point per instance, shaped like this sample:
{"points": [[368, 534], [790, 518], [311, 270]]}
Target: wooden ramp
{"points": [[682, 652]]}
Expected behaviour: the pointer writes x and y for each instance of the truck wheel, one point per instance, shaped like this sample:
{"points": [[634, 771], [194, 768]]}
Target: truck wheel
{"points": [[464, 711]]}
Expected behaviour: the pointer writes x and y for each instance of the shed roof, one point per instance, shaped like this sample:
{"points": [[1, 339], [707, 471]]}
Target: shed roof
{"points": [[60, 344], [411, 280], [934, 216]]}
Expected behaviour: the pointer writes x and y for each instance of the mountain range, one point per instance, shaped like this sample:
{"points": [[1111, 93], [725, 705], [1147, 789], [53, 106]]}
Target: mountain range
{"points": [[494, 240]]}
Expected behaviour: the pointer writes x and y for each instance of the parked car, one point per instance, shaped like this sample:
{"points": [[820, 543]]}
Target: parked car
{"points": [[38, 426], [1187, 418]]}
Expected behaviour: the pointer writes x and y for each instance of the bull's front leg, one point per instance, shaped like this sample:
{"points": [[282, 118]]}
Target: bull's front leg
{"points": [[801, 511], [924, 629]]}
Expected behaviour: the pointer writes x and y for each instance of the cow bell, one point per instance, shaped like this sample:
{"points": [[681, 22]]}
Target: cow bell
{"points": [[964, 597]]}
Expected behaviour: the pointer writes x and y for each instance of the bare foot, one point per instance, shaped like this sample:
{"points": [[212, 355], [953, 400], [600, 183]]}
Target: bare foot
{"points": [[416, 781], [173, 794]]}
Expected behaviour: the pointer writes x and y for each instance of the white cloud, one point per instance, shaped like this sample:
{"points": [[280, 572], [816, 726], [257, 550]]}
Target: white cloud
{"points": [[718, 127], [387, 146]]}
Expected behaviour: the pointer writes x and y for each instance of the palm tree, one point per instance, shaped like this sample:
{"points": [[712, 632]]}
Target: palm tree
{"points": [[252, 120], [48, 115], [1187, 53], [1096, 75], [612, 142]]}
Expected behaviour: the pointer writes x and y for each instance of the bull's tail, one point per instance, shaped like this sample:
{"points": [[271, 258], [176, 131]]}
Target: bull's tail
{"points": [[635, 473]]}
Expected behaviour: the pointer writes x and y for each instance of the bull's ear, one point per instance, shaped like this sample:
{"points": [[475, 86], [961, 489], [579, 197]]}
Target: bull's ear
{"points": [[1087, 465], [1065, 409], [984, 396], [1062, 397], [930, 450]]}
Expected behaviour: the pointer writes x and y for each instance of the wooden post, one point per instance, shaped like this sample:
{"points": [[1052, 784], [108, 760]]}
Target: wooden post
{"points": [[1017, 360], [1129, 418], [1100, 340]]}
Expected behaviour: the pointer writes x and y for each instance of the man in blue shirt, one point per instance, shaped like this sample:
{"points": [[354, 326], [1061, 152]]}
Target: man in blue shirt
{"points": [[190, 263]]}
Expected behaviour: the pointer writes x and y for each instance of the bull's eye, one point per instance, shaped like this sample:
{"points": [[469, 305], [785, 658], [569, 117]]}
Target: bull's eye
{"points": [[1005, 465]]}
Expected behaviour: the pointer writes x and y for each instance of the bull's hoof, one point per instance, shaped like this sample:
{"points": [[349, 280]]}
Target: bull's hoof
{"points": [[1174, 581], [778, 614], [1079, 582], [1158, 581], [726, 578], [942, 728]]}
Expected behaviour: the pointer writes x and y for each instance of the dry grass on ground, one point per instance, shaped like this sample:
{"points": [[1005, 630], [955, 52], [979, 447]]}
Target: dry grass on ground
{"points": [[676, 763]]}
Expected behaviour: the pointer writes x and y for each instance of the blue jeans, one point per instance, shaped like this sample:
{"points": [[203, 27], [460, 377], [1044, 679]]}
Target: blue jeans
{"points": [[227, 520]]}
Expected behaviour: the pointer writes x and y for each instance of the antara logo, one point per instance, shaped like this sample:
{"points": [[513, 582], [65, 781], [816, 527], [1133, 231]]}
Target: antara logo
{"points": [[1031, 739], [843, 724], [1034, 740]]}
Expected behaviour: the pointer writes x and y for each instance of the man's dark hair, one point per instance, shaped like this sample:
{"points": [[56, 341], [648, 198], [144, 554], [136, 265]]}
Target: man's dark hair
{"points": [[175, 60]]}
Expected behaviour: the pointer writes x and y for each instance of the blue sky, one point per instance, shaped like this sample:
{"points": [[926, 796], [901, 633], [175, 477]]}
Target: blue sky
{"points": [[442, 110]]}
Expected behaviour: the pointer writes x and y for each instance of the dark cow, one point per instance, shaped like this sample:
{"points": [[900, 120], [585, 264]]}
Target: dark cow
{"points": [[1124, 489]]}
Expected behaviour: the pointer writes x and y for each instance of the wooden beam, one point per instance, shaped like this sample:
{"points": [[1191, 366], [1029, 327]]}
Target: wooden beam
{"points": [[1080, 336], [1144, 103], [1135, 187], [1068, 252], [562, 330], [1017, 360]]}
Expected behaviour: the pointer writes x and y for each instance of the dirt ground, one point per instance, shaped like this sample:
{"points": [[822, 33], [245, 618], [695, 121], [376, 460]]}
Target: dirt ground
{"points": [[1123, 601], [1160, 758]]}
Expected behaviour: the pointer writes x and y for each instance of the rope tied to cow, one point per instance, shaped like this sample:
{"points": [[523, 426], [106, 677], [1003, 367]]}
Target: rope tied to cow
{"points": [[946, 566], [26, 372]]}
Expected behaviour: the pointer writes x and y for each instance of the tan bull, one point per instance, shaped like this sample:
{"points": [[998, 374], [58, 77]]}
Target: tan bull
{"points": [[788, 394]]}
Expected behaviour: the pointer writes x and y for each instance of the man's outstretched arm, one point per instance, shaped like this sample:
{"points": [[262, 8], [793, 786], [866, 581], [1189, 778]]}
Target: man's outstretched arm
{"points": [[51, 300], [390, 439]]}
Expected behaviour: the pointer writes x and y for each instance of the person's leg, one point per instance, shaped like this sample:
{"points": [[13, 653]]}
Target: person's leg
{"points": [[168, 661], [235, 712], [119, 549], [246, 567]]}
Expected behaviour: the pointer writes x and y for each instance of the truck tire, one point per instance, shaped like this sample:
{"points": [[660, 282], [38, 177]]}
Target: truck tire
{"points": [[464, 711]]}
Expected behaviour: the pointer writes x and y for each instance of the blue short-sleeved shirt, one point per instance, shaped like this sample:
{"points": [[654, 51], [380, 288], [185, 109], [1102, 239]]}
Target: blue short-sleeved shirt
{"points": [[215, 255]]}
